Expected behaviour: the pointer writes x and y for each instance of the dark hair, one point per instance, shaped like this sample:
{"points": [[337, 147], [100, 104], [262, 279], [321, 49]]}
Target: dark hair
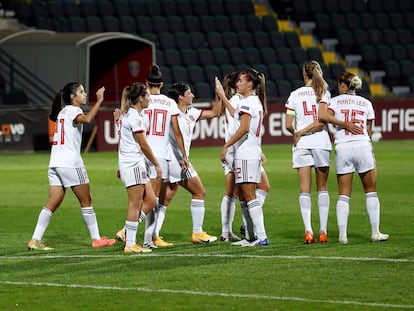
{"points": [[259, 84], [177, 89], [63, 98], [154, 76], [229, 83]]}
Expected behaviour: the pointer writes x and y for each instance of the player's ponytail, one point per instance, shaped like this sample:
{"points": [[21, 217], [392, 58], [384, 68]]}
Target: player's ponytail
{"points": [[313, 71]]}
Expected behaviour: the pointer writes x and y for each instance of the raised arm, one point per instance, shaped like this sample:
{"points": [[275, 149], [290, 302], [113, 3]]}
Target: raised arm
{"points": [[90, 116]]}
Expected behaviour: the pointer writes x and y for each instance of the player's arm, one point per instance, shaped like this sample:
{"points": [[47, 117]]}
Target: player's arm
{"points": [[180, 140], [141, 139], [90, 116], [327, 115], [241, 131], [222, 95], [214, 112]]}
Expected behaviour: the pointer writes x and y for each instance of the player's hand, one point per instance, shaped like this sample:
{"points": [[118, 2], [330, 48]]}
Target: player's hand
{"points": [[354, 127], [223, 153], [117, 115], [118, 174], [159, 171], [100, 94]]}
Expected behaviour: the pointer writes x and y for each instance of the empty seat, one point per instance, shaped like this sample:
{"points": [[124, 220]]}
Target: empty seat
{"points": [[277, 39], [214, 39], [71, 9], [166, 40], [382, 20], [222, 23], [175, 23], [369, 57], [88, 8], [122, 8], [144, 24], [238, 23], [404, 36], [336, 70], [361, 37], [253, 23], [283, 88], [205, 57], [292, 71], [284, 55], [179, 74], [94, 24], [237, 56], [216, 7], [292, 38], [384, 53], [227, 69], [200, 7], [375, 36], [55, 8], [169, 8], [105, 8], [198, 39], [159, 24], [323, 26], [299, 55], [399, 52], [252, 55], [390, 36], [338, 21], [153, 8], [261, 39], [207, 23], [245, 39], [184, 7], [212, 71], [368, 21], [189, 56], [220, 55], [314, 54], [127, 24], [172, 57], [269, 23], [110, 23], [203, 91], [276, 71], [392, 73], [191, 23], [230, 39], [195, 73], [268, 55], [345, 41], [182, 40]]}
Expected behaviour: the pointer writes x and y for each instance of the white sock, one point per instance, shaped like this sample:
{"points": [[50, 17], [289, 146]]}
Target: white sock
{"points": [[305, 205], [342, 213], [249, 234], [149, 225], [197, 215], [261, 196], [141, 217], [228, 206], [373, 209], [256, 213], [160, 220], [89, 217], [42, 222], [323, 206], [131, 228]]}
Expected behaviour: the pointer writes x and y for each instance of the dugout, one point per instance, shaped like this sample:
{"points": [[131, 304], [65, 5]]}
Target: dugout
{"points": [[111, 59]]}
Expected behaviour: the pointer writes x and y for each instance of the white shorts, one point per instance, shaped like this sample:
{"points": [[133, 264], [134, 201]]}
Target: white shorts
{"points": [[67, 176], [176, 173], [132, 176], [247, 171], [310, 157], [228, 163], [354, 156], [165, 167]]}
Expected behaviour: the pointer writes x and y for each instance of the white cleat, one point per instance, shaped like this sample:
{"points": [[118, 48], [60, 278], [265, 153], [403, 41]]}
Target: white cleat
{"points": [[343, 239], [379, 237], [242, 243]]}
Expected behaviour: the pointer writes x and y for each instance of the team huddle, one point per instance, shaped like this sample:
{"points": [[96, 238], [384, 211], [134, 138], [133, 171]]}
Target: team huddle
{"points": [[155, 132]]}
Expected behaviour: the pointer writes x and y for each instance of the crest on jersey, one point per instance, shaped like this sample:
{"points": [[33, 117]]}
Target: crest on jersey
{"points": [[134, 68]]}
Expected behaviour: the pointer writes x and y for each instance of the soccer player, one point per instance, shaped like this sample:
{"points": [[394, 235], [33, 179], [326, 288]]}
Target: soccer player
{"points": [[246, 141], [189, 178], [353, 115], [311, 146], [231, 101], [133, 150], [66, 167]]}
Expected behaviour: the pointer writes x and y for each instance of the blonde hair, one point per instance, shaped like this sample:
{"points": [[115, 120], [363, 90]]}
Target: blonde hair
{"points": [[314, 73], [130, 95], [352, 81]]}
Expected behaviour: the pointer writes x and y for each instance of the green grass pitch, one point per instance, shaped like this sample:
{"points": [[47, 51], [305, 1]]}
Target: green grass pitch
{"points": [[286, 275]]}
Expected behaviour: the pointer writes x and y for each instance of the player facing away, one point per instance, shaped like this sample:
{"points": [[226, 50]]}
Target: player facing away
{"points": [[66, 167], [311, 146], [353, 115]]}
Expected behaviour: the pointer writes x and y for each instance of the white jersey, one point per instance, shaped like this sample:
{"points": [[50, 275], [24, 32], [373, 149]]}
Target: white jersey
{"points": [[302, 102], [158, 117], [351, 108], [187, 121], [229, 129], [249, 147], [67, 139], [129, 151]]}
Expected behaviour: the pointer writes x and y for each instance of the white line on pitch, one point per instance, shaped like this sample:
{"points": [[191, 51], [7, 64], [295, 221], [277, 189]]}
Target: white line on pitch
{"points": [[394, 260], [211, 294]]}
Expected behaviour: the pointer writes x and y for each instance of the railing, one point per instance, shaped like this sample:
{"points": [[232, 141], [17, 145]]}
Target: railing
{"points": [[17, 76]]}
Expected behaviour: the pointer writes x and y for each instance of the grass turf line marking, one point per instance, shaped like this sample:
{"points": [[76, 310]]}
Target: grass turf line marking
{"points": [[211, 294], [393, 260]]}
